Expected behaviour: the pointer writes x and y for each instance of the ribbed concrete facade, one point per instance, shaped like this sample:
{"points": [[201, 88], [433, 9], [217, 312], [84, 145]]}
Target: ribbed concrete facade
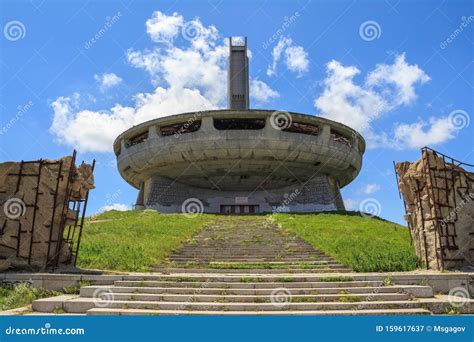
{"points": [[240, 161]]}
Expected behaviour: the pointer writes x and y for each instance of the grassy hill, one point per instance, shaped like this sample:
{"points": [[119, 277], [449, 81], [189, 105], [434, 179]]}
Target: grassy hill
{"points": [[364, 244], [136, 240]]}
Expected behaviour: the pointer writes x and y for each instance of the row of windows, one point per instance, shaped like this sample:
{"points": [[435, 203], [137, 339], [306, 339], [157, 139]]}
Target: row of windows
{"points": [[236, 124]]}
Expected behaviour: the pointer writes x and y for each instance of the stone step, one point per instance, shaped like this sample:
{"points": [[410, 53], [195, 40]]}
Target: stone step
{"points": [[242, 251], [263, 265], [415, 290], [204, 261], [237, 257], [230, 248], [247, 259], [246, 277], [82, 305], [250, 265], [206, 298], [145, 312], [253, 270], [235, 244], [248, 285], [277, 263]]}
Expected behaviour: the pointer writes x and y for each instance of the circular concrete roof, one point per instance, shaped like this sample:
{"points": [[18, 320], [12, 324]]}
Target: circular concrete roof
{"points": [[264, 155]]}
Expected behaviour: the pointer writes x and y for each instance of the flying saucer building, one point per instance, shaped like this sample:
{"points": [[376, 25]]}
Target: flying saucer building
{"points": [[239, 160]]}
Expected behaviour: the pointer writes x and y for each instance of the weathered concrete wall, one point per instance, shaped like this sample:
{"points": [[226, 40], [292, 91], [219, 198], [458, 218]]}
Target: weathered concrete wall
{"points": [[209, 155], [168, 196], [439, 200], [33, 212]]}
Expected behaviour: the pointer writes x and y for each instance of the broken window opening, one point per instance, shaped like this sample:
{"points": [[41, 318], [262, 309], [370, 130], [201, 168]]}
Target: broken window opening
{"points": [[137, 139], [181, 128], [302, 128], [236, 124], [338, 137]]}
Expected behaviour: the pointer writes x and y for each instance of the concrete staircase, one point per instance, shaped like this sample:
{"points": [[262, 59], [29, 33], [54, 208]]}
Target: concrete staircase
{"points": [[248, 266], [243, 244]]}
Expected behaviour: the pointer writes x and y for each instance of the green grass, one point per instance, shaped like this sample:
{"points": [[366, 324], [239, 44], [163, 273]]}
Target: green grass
{"points": [[134, 240], [22, 295], [259, 265], [352, 299], [363, 244], [335, 279]]}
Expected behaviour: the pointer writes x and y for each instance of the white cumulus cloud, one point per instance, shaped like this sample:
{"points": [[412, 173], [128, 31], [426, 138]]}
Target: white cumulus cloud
{"points": [[186, 77], [164, 28], [371, 188], [115, 206], [422, 133], [261, 92], [295, 57], [384, 89], [107, 80]]}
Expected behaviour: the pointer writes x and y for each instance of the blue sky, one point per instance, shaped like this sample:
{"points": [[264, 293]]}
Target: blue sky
{"points": [[401, 72]]}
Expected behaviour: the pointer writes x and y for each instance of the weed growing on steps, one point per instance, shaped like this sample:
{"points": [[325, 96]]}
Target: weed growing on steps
{"points": [[22, 294], [335, 278], [58, 311], [251, 280], [284, 280], [260, 300], [387, 281], [351, 299], [452, 310]]}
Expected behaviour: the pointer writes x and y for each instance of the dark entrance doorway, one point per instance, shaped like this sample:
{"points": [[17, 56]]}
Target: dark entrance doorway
{"points": [[239, 209]]}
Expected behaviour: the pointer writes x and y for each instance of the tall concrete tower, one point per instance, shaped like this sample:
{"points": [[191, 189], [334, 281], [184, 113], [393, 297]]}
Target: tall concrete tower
{"points": [[238, 74]]}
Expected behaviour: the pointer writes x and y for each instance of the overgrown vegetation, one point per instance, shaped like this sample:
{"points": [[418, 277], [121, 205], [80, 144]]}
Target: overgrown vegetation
{"points": [[21, 295], [134, 240], [137, 240], [363, 244], [335, 279]]}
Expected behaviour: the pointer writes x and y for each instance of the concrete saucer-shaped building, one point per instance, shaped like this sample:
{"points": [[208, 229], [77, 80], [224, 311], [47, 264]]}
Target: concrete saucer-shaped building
{"points": [[239, 160]]}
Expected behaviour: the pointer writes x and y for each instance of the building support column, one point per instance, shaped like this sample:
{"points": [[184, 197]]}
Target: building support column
{"points": [[139, 204]]}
